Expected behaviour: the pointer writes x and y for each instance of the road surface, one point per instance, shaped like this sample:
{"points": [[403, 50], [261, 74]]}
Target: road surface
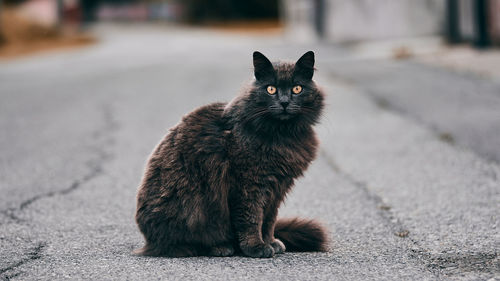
{"points": [[406, 190]]}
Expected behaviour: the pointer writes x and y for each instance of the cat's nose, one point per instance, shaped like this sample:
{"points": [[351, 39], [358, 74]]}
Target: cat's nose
{"points": [[284, 104]]}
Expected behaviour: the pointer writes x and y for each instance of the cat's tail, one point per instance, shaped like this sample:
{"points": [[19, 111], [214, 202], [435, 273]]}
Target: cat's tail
{"points": [[301, 235]]}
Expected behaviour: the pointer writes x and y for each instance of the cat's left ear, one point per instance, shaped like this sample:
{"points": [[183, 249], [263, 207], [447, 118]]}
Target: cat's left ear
{"points": [[305, 65]]}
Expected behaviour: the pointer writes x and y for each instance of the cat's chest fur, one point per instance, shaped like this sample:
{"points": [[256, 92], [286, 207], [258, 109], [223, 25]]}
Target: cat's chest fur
{"points": [[284, 160]]}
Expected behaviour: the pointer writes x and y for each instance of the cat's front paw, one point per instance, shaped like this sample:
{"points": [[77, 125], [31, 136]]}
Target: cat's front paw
{"points": [[258, 251], [278, 246]]}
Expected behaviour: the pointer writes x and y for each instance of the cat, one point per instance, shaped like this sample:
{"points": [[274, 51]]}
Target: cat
{"points": [[214, 184]]}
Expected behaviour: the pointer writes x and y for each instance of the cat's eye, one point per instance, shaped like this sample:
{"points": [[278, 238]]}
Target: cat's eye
{"points": [[297, 89], [271, 90]]}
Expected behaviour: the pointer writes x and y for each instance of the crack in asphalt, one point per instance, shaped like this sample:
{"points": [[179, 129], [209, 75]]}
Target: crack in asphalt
{"points": [[94, 172], [10, 213], [96, 168], [383, 209], [444, 136], [384, 104], [441, 265], [34, 254], [441, 134]]}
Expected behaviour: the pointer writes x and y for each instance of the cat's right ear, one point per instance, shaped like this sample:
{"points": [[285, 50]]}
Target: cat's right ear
{"points": [[263, 68]]}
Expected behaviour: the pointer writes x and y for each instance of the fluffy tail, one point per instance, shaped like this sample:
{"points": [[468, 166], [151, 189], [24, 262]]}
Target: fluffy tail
{"points": [[300, 235]]}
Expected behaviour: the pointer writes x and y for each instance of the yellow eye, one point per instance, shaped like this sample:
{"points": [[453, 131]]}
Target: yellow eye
{"points": [[297, 89], [271, 90]]}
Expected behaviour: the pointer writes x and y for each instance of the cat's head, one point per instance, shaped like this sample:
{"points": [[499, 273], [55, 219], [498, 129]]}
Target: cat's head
{"points": [[286, 90]]}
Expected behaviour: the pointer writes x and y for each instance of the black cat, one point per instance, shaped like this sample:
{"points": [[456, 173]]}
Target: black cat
{"points": [[214, 184]]}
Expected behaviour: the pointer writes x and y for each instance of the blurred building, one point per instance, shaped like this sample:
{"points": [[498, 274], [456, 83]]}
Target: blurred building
{"points": [[139, 10], [52, 12], [194, 11], [476, 21], [360, 20], [494, 16], [229, 10], [40, 11]]}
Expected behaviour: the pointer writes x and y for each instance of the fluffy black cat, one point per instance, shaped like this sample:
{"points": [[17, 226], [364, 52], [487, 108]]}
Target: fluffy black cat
{"points": [[214, 184]]}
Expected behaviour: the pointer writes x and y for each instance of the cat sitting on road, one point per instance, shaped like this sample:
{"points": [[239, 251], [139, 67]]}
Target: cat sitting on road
{"points": [[214, 184]]}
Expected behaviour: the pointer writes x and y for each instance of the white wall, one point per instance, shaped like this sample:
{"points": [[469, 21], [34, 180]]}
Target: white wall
{"points": [[358, 20], [298, 16]]}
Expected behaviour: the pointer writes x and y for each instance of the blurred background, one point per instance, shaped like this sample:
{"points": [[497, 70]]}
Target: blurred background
{"points": [[473, 21], [407, 179]]}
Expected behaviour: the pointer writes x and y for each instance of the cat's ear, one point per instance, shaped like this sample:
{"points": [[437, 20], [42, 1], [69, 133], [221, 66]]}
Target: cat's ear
{"points": [[263, 68], [305, 65]]}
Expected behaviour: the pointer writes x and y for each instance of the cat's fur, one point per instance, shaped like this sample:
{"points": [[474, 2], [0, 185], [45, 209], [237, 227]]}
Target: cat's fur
{"points": [[214, 184]]}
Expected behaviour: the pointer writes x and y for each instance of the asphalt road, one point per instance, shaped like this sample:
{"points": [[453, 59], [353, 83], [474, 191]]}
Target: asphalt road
{"points": [[462, 108], [401, 201]]}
